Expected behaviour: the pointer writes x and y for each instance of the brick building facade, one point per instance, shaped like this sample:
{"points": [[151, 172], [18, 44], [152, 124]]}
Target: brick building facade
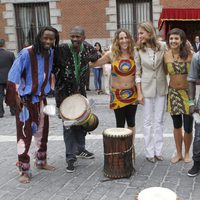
{"points": [[100, 18]]}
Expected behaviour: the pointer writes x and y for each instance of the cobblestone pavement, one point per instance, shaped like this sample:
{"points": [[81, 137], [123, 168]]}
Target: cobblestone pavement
{"points": [[88, 181]]}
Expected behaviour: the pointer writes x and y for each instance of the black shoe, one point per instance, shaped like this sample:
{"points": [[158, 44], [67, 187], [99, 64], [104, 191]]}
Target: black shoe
{"points": [[1, 116], [88, 89], [70, 167], [85, 154], [195, 170]]}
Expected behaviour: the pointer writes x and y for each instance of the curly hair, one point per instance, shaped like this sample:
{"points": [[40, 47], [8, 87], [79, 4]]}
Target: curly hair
{"points": [[37, 46], [116, 51], [184, 46], [152, 40]]}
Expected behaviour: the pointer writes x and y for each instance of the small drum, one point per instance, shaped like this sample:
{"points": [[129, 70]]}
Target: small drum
{"points": [[157, 193], [118, 143], [76, 107]]}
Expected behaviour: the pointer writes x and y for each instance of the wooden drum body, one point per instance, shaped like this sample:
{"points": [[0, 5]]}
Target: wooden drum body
{"points": [[157, 193], [76, 107], [118, 143]]}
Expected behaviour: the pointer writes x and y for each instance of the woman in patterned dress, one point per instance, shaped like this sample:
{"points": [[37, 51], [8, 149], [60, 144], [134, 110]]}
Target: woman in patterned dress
{"points": [[177, 60], [123, 92]]}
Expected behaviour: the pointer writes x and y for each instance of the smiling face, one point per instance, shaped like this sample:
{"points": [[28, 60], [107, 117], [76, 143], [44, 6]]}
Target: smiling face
{"points": [[77, 36], [143, 35], [47, 39], [174, 41], [123, 41], [76, 39]]}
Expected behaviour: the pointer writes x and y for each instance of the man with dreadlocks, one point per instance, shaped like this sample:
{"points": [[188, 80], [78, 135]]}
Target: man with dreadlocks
{"points": [[70, 70], [28, 83]]}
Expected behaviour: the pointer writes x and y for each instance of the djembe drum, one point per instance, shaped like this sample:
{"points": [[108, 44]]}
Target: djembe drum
{"points": [[76, 107], [157, 193], [118, 144]]}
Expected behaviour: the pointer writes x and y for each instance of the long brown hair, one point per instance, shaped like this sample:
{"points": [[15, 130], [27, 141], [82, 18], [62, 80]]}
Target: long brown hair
{"points": [[116, 51], [148, 27], [184, 47]]}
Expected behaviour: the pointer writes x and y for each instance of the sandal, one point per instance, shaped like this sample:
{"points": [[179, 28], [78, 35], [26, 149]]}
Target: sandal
{"points": [[24, 178], [151, 159], [45, 167], [159, 158]]}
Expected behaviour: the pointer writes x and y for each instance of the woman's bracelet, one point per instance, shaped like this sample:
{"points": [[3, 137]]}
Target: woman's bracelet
{"points": [[192, 102]]}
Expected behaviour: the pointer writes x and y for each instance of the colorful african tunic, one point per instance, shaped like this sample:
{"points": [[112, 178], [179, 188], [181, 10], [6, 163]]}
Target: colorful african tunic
{"points": [[177, 99], [29, 77], [123, 97]]}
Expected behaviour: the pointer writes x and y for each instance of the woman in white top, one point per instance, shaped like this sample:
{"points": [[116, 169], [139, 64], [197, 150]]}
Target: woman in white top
{"points": [[152, 88], [98, 71]]}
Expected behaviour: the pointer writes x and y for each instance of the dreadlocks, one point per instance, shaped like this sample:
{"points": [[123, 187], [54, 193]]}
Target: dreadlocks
{"points": [[37, 43]]}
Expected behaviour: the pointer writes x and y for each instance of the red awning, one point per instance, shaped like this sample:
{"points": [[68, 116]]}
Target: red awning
{"points": [[178, 14]]}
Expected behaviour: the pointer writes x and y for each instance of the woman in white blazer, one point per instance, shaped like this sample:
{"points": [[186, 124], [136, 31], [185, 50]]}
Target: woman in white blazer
{"points": [[152, 88]]}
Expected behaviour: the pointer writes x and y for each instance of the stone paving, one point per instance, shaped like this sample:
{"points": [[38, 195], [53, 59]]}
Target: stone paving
{"points": [[88, 181]]}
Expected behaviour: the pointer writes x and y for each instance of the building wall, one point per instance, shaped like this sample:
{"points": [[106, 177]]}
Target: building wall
{"points": [[88, 13], [98, 17], [180, 3], [2, 23], [8, 16]]}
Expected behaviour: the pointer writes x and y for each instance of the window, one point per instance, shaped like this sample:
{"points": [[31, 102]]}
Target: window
{"points": [[30, 17], [132, 12]]}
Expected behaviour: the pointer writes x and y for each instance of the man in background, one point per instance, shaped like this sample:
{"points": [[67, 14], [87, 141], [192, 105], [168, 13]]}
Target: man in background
{"points": [[6, 60], [196, 45]]}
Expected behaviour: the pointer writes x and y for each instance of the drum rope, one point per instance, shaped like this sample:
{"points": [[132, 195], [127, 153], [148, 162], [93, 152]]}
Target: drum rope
{"points": [[118, 153]]}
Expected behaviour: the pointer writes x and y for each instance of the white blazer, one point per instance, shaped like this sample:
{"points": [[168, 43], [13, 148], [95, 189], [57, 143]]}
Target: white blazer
{"points": [[151, 73]]}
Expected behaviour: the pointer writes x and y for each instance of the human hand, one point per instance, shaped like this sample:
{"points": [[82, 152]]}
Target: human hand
{"points": [[193, 109], [141, 99], [18, 103]]}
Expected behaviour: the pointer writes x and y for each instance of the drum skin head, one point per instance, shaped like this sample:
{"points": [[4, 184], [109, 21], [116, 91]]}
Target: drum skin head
{"points": [[73, 107], [157, 193], [117, 132]]}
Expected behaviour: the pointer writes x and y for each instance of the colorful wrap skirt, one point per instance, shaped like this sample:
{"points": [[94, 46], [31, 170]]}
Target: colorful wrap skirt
{"points": [[123, 97], [177, 101]]}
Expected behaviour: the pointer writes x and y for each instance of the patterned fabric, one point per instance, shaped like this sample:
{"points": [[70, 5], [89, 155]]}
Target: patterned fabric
{"points": [[178, 68], [64, 69], [123, 68], [31, 73], [121, 98], [31, 121], [177, 100], [29, 78]]}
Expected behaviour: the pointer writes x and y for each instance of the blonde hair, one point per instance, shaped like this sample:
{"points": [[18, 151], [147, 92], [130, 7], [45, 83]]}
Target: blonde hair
{"points": [[116, 51], [148, 27]]}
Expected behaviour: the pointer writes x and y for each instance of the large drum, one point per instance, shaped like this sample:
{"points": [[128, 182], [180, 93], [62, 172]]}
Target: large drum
{"points": [[157, 193], [118, 144], [77, 108]]}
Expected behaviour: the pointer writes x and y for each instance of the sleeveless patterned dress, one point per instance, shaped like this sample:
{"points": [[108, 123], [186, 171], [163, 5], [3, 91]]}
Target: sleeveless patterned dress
{"points": [[177, 99], [120, 98]]}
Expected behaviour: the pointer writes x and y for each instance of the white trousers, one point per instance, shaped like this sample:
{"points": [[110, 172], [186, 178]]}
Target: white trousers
{"points": [[153, 111]]}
